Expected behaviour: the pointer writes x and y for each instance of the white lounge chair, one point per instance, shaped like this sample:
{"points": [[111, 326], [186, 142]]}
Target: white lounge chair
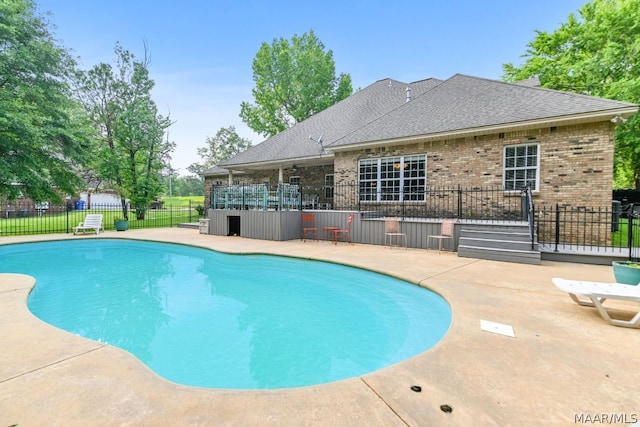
{"points": [[596, 293], [91, 222]]}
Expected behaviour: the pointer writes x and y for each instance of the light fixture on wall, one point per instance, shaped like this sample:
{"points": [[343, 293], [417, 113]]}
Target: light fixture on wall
{"points": [[294, 168], [618, 119]]}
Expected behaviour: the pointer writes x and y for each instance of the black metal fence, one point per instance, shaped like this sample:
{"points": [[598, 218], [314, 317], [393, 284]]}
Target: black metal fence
{"points": [[486, 203], [23, 218], [564, 229], [556, 227]]}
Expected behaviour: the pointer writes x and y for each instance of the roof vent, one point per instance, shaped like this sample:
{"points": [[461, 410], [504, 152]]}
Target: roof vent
{"points": [[408, 94]]}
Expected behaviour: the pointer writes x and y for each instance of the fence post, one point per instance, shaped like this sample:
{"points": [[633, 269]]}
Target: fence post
{"points": [[459, 201], [557, 227], [532, 228], [630, 234], [66, 209]]}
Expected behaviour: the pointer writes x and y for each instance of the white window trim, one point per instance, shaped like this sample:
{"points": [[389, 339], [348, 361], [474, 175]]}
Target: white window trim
{"points": [[504, 166], [379, 180], [329, 189]]}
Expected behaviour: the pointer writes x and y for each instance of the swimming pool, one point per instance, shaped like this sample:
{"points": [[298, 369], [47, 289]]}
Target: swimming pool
{"points": [[204, 318]]}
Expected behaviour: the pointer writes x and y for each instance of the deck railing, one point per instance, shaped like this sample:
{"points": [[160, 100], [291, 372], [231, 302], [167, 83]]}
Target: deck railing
{"points": [[256, 196], [486, 203]]}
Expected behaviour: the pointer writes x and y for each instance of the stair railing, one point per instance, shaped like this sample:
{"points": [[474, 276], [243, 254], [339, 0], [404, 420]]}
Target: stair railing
{"points": [[527, 206]]}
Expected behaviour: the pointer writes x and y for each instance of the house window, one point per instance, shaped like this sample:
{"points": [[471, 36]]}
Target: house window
{"points": [[521, 165], [393, 178], [294, 180], [414, 169], [328, 186], [368, 179]]}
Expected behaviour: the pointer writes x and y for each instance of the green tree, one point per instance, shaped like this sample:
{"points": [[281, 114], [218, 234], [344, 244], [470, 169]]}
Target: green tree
{"points": [[226, 144], [293, 81], [187, 186], [43, 132], [595, 53], [131, 151]]}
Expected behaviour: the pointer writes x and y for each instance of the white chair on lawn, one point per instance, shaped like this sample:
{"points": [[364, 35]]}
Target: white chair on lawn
{"points": [[91, 222]]}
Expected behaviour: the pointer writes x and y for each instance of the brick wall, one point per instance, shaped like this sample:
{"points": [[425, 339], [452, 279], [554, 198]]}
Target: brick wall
{"points": [[576, 162]]}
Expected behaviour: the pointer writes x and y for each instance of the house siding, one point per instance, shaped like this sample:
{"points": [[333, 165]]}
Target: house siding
{"points": [[576, 162]]}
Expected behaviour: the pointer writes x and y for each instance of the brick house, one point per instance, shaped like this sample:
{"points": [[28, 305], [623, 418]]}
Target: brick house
{"points": [[465, 130]]}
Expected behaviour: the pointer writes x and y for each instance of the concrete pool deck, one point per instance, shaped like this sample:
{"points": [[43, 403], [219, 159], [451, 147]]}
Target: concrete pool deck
{"points": [[564, 365]]}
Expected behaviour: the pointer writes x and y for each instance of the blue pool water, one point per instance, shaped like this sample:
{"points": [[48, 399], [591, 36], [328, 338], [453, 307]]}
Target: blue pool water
{"points": [[203, 318]]}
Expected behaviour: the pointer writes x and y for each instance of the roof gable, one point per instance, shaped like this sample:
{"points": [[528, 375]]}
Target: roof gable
{"points": [[465, 102], [333, 123]]}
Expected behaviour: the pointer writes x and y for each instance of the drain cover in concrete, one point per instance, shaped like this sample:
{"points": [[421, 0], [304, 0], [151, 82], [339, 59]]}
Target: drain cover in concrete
{"points": [[497, 328]]}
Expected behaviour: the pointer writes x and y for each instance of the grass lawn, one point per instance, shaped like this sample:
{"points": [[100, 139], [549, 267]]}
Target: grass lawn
{"points": [[620, 238], [183, 201]]}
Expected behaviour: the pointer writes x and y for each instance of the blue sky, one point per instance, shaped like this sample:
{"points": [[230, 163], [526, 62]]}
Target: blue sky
{"points": [[201, 51]]}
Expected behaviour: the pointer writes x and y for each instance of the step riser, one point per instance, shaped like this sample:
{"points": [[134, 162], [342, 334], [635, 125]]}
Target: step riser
{"points": [[499, 255], [496, 244], [520, 237], [498, 228]]}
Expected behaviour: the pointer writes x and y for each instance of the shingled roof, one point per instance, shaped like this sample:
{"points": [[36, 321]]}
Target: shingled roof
{"points": [[469, 104], [380, 114], [335, 122]]}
